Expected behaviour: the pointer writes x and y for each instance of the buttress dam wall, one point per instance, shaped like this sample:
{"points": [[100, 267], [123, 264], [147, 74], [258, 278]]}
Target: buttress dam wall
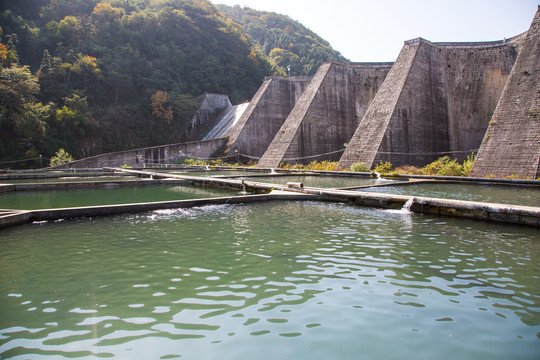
{"points": [[265, 114], [438, 101], [511, 146], [327, 114]]}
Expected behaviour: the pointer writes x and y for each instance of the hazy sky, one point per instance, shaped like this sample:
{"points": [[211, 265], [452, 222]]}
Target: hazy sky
{"points": [[374, 30]]}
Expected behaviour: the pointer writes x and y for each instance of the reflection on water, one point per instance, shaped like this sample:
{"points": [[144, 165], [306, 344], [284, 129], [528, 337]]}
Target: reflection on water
{"points": [[105, 196], [65, 179], [270, 281]]}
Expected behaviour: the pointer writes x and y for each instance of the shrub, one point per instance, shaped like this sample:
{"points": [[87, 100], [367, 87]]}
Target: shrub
{"points": [[287, 166], [193, 162], [60, 158], [408, 169], [314, 165], [217, 162], [514, 177], [323, 165], [383, 167], [443, 166], [468, 164], [359, 167]]}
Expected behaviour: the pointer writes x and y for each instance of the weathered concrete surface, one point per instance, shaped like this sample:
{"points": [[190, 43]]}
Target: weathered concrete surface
{"points": [[211, 106], [13, 217], [327, 114], [67, 213], [366, 141], [265, 115], [86, 184], [511, 214], [512, 142], [437, 100], [151, 155], [474, 78]]}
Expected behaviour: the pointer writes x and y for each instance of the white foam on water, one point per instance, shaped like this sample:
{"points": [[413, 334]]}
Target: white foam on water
{"points": [[406, 209], [166, 214]]}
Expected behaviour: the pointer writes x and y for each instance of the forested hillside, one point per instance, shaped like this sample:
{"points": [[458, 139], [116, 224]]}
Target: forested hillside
{"points": [[285, 41], [93, 76]]}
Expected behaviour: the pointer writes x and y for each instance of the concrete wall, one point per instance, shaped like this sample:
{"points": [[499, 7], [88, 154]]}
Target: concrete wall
{"points": [[166, 154], [327, 114], [437, 100], [367, 138], [474, 80], [265, 115], [211, 106], [512, 143]]}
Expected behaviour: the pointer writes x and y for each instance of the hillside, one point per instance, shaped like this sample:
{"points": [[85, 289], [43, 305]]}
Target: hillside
{"points": [[95, 76], [285, 41]]}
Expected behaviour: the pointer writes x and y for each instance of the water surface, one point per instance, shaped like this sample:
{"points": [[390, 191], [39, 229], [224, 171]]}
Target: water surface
{"points": [[317, 181], [515, 195], [270, 281], [113, 194], [213, 173], [39, 180]]}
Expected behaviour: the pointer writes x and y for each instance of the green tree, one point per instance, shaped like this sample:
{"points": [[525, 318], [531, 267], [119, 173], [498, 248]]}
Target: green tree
{"points": [[22, 120], [73, 117], [60, 158], [160, 107], [70, 29], [104, 13], [274, 31], [284, 58], [115, 55]]}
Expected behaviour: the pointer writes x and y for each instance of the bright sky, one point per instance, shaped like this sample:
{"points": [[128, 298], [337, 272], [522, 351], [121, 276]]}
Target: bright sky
{"points": [[374, 30]]}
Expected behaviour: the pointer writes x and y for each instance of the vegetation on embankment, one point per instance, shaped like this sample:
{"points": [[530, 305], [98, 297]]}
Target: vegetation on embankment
{"points": [[443, 166]]}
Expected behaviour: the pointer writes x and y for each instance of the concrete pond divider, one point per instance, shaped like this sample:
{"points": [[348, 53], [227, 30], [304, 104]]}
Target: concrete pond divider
{"points": [[86, 184], [19, 217], [252, 191], [514, 214]]}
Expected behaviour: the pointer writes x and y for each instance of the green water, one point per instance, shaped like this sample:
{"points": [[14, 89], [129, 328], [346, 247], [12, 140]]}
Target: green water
{"points": [[270, 281], [32, 200], [214, 173], [67, 179], [316, 181], [514, 195]]}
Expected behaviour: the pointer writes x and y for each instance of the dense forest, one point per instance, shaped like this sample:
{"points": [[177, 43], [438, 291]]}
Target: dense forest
{"points": [[94, 76], [285, 41]]}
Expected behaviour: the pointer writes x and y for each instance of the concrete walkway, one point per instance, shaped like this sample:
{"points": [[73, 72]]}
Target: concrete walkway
{"points": [[512, 214]]}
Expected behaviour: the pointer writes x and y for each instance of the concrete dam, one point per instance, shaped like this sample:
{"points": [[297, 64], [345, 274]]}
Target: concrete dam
{"points": [[436, 99]]}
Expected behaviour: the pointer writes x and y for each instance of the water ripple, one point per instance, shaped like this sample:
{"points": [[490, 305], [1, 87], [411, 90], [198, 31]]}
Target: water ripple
{"points": [[289, 279]]}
